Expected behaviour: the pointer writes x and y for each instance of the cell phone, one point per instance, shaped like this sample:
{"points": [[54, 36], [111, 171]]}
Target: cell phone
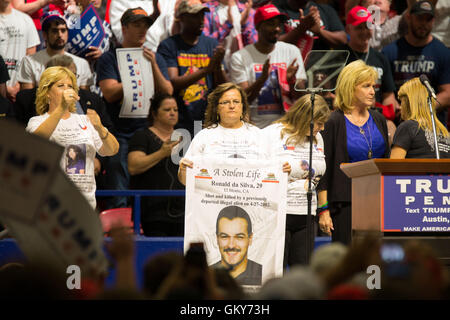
{"points": [[196, 255], [392, 252], [176, 136]]}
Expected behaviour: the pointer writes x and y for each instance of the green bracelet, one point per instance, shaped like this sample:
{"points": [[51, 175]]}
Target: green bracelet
{"points": [[324, 205]]}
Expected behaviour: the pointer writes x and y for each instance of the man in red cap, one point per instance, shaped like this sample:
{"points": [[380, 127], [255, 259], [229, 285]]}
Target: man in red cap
{"points": [[268, 69], [358, 27]]}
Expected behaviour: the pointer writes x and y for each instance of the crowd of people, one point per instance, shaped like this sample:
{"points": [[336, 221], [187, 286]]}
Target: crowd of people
{"points": [[407, 271], [236, 67]]}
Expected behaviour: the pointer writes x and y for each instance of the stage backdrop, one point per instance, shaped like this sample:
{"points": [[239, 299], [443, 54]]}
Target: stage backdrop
{"points": [[258, 187]]}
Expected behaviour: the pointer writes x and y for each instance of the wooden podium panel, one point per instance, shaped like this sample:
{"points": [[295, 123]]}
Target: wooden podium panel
{"points": [[368, 196], [367, 185]]}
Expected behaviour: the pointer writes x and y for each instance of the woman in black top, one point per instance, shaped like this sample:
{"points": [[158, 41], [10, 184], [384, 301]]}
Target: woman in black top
{"points": [[353, 133], [151, 167], [414, 137]]}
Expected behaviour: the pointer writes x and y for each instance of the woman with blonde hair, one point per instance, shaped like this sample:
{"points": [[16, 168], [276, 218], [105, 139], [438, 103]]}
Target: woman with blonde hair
{"points": [[289, 139], [228, 132], [56, 99], [353, 133], [414, 137]]}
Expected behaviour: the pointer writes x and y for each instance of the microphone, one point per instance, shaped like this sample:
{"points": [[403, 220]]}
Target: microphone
{"points": [[424, 79]]}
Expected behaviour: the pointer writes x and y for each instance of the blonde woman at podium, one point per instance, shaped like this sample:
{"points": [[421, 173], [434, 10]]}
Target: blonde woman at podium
{"points": [[353, 133], [414, 137]]}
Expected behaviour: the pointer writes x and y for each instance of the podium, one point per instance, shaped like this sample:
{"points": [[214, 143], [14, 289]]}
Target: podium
{"points": [[402, 200]]}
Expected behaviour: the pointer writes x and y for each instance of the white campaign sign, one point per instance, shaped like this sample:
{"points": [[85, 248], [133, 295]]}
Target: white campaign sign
{"points": [[28, 164], [256, 187], [137, 80]]}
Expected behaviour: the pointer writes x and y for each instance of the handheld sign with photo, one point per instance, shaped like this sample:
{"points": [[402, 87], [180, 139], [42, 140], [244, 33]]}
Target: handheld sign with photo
{"points": [[237, 208], [137, 79]]}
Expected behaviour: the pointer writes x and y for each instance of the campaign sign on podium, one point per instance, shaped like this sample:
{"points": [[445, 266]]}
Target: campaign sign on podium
{"points": [[415, 203]]}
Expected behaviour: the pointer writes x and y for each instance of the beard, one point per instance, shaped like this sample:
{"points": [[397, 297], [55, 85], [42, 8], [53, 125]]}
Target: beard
{"points": [[420, 34], [55, 46]]}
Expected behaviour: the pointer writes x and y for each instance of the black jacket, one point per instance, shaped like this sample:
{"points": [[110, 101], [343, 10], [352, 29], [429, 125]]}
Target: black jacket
{"points": [[337, 184]]}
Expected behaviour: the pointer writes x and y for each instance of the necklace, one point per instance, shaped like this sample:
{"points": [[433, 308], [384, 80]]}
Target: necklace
{"points": [[358, 57], [369, 145], [363, 132]]}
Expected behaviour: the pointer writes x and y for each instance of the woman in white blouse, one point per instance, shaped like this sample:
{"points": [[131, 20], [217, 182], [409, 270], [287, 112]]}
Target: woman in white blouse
{"points": [[288, 138]]}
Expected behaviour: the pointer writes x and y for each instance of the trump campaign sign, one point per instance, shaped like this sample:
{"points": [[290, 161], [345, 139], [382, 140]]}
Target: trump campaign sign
{"points": [[416, 203], [137, 80], [86, 32]]}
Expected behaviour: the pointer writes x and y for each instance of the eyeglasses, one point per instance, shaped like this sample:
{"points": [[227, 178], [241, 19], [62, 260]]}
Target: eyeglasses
{"points": [[228, 102]]}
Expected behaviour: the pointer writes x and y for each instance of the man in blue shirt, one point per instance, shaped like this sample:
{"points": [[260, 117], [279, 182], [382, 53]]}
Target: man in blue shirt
{"points": [[418, 52], [135, 23]]}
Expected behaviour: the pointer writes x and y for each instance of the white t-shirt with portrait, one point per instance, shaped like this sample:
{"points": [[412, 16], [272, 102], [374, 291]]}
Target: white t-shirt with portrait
{"points": [[247, 65], [31, 68], [17, 34], [221, 142], [298, 158], [75, 132]]}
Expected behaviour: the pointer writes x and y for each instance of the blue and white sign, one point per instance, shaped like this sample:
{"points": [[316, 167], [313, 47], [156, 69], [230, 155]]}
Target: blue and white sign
{"points": [[86, 32], [137, 80], [416, 203]]}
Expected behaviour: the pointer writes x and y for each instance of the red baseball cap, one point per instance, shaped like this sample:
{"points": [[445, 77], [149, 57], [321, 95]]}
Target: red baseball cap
{"points": [[358, 15], [268, 12]]}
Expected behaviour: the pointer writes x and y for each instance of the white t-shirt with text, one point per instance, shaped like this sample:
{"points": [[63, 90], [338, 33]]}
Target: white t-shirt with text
{"points": [[17, 34], [31, 68], [247, 65], [298, 157], [76, 132]]}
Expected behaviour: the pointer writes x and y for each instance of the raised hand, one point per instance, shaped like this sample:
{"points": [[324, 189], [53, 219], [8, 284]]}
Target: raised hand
{"points": [[287, 167], [69, 98], [149, 55], [266, 70], [306, 21], [291, 71], [94, 54], [94, 119], [216, 60], [167, 147], [316, 16], [246, 12]]}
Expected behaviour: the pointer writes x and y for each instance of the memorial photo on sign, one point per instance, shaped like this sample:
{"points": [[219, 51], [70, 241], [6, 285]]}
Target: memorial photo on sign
{"points": [[76, 159], [236, 207]]}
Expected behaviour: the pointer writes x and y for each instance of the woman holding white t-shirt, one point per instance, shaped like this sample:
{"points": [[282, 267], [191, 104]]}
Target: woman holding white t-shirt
{"points": [[227, 133], [288, 138], [58, 121]]}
